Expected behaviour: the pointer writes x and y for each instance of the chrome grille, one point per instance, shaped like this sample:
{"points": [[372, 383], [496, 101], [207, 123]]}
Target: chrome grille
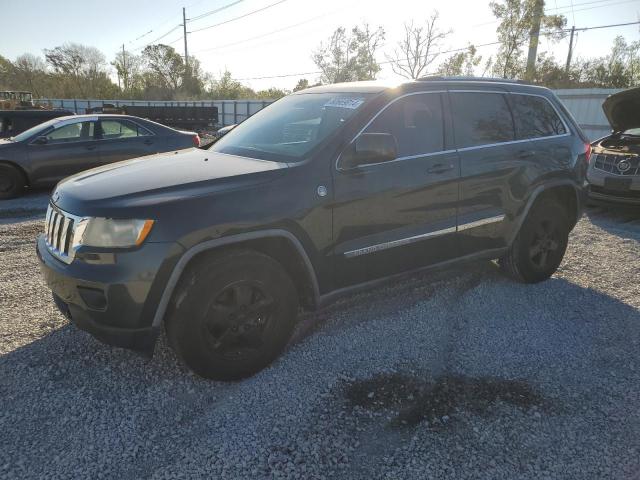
{"points": [[59, 229], [611, 164]]}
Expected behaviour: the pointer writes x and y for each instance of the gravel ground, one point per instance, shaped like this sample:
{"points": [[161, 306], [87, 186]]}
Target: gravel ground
{"points": [[452, 374], [31, 205]]}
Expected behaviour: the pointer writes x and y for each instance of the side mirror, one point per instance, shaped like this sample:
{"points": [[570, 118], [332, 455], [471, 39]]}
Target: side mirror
{"points": [[370, 148], [40, 140]]}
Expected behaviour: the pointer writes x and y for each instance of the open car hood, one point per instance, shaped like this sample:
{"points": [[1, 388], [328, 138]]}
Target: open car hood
{"points": [[623, 109]]}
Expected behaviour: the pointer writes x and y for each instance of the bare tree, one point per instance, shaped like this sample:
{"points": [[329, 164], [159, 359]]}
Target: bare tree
{"points": [[419, 48]]}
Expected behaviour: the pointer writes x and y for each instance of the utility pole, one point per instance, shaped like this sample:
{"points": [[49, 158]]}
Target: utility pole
{"points": [[125, 74], [570, 53], [184, 25], [534, 35]]}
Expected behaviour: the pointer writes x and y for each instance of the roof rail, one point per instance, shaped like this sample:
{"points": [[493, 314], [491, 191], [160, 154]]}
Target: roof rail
{"points": [[440, 78]]}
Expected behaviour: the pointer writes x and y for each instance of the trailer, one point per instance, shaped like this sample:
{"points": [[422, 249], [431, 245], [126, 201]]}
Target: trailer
{"points": [[198, 118]]}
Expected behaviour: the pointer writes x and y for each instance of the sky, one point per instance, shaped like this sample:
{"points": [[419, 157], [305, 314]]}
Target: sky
{"points": [[279, 38]]}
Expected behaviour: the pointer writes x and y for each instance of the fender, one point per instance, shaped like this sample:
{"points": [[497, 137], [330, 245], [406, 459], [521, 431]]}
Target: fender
{"points": [[536, 193], [224, 241]]}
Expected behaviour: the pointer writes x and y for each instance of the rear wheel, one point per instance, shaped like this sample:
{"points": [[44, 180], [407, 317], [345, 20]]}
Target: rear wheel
{"points": [[232, 315], [537, 251], [12, 182]]}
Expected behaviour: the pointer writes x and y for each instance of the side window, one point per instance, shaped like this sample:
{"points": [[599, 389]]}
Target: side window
{"points": [[416, 123], [122, 129], [535, 117], [72, 132], [481, 119]]}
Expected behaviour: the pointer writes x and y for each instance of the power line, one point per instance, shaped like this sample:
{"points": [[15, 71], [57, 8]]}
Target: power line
{"points": [[211, 12], [289, 27], [239, 17], [159, 38], [569, 8], [571, 5]]}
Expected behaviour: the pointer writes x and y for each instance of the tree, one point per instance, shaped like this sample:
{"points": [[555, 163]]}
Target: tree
{"points": [[461, 63], [516, 19], [272, 93], [419, 48], [129, 68], [226, 88], [349, 57], [164, 70], [301, 85], [619, 69], [80, 71], [366, 43]]}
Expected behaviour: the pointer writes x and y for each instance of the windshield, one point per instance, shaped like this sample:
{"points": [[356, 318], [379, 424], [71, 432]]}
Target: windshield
{"points": [[290, 128], [33, 130]]}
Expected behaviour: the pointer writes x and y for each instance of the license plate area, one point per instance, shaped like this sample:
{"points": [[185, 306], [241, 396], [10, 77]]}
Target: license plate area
{"points": [[618, 184]]}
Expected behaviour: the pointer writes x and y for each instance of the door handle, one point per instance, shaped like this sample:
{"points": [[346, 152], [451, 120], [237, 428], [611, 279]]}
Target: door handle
{"points": [[440, 168], [148, 142], [91, 147]]}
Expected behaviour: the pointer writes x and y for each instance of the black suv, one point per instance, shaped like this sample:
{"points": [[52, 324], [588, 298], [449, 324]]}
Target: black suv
{"points": [[327, 190]]}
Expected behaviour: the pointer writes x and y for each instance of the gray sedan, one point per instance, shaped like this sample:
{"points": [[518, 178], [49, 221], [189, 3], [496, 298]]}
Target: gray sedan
{"points": [[53, 150]]}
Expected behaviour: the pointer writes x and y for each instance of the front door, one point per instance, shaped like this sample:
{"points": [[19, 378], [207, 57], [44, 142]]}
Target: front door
{"points": [[398, 215], [67, 148]]}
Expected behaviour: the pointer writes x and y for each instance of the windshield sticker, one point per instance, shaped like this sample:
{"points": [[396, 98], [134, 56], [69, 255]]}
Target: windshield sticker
{"points": [[345, 102]]}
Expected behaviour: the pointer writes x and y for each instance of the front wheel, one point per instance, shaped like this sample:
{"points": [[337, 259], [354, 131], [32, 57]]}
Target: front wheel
{"points": [[232, 314], [539, 247], [12, 182]]}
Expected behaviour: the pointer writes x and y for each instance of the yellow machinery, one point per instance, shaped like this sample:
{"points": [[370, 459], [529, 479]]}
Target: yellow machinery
{"points": [[15, 100]]}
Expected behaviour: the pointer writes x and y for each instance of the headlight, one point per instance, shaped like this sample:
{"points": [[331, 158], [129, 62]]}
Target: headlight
{"points": [[109, 232]]}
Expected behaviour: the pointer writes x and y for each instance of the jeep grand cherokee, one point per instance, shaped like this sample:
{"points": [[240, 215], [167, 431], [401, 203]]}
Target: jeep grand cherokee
{"points": [[327, 190]]}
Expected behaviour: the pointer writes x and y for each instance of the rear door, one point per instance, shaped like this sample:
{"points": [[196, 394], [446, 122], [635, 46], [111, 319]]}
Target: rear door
{"points": [[489, 162], [122, 139], [70, 147], [398, 215]]}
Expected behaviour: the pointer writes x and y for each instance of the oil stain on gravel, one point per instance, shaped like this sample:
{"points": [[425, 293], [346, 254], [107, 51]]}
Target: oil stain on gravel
{"points": [[437, 401]]}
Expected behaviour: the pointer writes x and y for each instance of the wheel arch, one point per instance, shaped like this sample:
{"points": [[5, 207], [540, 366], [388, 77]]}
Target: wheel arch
{"points": [[22, 171], [276, 243], [564, 191]]}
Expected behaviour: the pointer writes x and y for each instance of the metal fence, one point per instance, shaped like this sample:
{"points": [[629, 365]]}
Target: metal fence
{"points": [[584, 104]]}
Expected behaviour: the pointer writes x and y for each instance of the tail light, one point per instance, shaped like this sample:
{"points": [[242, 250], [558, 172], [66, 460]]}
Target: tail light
{"points": [[587, 152], [196, 140]]}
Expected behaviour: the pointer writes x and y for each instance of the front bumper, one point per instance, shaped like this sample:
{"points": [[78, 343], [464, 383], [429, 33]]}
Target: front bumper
{"points": [[598, 193], [113, 296]]}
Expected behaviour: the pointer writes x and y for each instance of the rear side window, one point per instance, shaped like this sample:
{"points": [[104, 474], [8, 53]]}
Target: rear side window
{"points": [[535, 117], [122, 129], [481, 119], [416, 123]]}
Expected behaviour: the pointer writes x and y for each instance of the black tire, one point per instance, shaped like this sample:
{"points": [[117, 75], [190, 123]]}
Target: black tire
{"points": [[12, 182], [232, 314], [539, 247]]}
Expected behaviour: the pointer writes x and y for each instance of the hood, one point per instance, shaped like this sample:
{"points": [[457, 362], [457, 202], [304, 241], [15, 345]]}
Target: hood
{"points": [[160, 178], [623, 109]]}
